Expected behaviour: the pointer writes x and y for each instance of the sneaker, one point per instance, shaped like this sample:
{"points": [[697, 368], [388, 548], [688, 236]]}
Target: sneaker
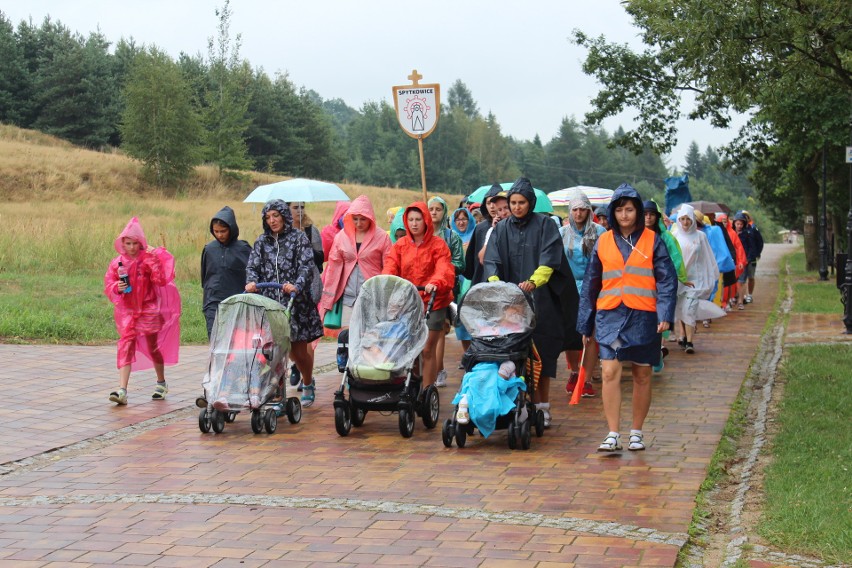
{"points": [[682, 342], [689, 347], [706, 323], [160, 391], [119, 396], [295, 375], [664, 351], [588, 390], [308, 395], [441, 381], [748, 299], [572, 383], [547, 419]]}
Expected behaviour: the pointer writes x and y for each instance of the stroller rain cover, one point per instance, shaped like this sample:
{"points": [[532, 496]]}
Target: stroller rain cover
{"points": [[248, 349], [499, 317], [387, 330]]}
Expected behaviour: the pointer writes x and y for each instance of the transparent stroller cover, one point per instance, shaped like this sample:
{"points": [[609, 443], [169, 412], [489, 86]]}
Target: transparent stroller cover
{"points": [[248, 351], [387, 330], [493, 309]]}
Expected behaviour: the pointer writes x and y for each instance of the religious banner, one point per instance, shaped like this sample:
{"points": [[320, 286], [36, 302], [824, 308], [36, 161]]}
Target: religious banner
{"points": [[417, 106]]}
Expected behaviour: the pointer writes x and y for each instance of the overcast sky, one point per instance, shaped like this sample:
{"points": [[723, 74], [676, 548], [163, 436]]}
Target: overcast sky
{"points": [[515, 57]]}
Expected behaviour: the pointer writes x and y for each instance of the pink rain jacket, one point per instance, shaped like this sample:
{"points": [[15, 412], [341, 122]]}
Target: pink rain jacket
{"points": [[330, 231], [344, 255], [153, 307]]}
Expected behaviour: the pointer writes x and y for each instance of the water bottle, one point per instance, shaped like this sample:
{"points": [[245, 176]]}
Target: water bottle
{"points": [[124, 277]]}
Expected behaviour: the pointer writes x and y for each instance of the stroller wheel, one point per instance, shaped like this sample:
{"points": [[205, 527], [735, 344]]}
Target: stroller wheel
{"points": [[230, 417], [358, 415], [271, 421], [447, 433], [461, 435], [513, 441], [343, 419], [432, 407], [406, 422], [218, 421], [256, 421], [294, 410], [539, 423], [526, 435], [204, 422]]}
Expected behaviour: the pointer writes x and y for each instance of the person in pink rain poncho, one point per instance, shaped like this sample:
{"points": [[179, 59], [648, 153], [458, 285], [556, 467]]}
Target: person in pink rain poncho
{"points": [[147, 311]]}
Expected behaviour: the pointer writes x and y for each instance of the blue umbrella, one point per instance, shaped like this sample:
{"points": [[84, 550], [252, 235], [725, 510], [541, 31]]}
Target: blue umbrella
{"points": [[542, 202], [297, 189]]}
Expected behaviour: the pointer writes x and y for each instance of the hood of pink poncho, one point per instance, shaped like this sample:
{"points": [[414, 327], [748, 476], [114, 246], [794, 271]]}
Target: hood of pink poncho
{"points": [[133, 230]]}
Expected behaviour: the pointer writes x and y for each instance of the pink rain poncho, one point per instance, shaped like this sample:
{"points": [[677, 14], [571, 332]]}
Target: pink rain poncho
{"points": [[151, 309]]}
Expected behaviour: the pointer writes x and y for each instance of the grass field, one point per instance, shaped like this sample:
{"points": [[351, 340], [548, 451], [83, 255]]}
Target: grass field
{"points": [[62, 207]]}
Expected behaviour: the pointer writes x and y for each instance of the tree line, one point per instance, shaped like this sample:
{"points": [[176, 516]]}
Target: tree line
{"points": [[216, 108]]}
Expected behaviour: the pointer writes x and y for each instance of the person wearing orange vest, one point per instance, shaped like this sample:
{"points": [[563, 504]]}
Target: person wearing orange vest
{"points": [[628, 301]]}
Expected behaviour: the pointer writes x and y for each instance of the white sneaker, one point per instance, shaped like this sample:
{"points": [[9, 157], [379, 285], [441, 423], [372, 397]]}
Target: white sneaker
{"points": [[547, 418], [441, 381], [463, 416]]}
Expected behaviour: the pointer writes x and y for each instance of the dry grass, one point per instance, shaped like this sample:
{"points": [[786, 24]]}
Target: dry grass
{"points": [[61, 206]]}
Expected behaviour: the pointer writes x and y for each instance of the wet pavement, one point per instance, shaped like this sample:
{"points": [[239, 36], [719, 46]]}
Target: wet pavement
{"points": [[85, 483]]}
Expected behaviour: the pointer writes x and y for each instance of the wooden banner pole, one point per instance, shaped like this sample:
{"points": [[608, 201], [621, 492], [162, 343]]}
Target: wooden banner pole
{"points": [[422, 168]]}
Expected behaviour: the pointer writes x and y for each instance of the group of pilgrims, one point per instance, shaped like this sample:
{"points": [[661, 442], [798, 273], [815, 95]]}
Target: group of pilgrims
{"points": [[606, 285]]}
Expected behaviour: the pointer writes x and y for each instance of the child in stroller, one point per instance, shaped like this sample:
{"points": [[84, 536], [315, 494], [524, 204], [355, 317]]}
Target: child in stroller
{"points": [[379, 358], [249, 345], [500, 318]]}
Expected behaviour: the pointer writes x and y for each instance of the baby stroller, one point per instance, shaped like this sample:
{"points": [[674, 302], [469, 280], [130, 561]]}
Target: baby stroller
{"points": [[379, 357], [500, 319], [248, 363]]}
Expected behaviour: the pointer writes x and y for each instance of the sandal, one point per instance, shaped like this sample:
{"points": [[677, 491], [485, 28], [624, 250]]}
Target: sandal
{"points": [[119, 396], [160, 391], [611, 444], [635, 443]]}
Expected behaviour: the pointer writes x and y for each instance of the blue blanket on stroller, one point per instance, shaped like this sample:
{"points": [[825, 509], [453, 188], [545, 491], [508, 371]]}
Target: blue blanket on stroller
{"points": [[488, 395]]}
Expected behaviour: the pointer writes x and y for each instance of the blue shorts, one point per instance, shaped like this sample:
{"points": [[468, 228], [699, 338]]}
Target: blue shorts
{"points": [[647, 354]]}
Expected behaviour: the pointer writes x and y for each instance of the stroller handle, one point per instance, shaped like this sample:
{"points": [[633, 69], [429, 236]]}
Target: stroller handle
{"points": [[431, 299]]}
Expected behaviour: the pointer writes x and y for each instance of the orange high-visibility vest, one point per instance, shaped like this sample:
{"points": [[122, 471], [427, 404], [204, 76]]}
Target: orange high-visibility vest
{"points": [[632, 283]]}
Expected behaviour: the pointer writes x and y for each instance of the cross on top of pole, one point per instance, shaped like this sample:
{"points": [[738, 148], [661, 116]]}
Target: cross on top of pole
{"points": [[415, 77]]}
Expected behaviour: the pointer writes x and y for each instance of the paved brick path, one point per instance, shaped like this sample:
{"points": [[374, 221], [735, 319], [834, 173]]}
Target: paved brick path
{"points": [[83, 482]]}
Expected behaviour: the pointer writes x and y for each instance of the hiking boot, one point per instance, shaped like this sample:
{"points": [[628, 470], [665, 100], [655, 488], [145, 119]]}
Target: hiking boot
{"points": [[119, 396], [441, 381], [588, 390], [572, 383], [308, 395]]}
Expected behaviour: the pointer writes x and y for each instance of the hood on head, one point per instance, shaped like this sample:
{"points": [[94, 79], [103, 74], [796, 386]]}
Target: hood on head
{"points": [[443, 223], [740, 217], [651, 206], [419, 206], [471, 224], [133, 230], [397, 223], [626, 191], [689, 212], [227, 216], [721, 217], [524, 187], [360, 206], [339, 211], [280, 206], [579, 200]]}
